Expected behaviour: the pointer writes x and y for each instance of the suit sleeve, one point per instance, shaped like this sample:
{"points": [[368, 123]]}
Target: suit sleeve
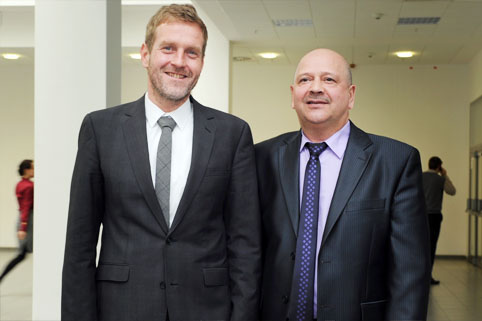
{"points": [[79, 300], [243, 228], [410, 266]]}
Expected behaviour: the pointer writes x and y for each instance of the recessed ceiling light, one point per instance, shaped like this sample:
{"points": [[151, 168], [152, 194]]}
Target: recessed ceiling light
{"points": [[269, 55], [404, 54], [11, 56], [136, 56]]}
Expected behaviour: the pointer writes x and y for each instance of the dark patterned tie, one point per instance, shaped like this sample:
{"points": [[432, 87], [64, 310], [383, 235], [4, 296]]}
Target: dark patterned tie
{"points": [[304, 272], [163, 165]]}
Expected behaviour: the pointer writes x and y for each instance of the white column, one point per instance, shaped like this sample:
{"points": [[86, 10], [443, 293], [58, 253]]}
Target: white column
{"points": [[77, 70]]}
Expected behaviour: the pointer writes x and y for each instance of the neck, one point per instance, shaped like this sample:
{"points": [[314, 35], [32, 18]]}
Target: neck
{"points": [[318, 133], [165, 104]]}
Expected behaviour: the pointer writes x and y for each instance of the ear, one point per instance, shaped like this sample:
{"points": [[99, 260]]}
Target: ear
{"points": [[145, 55], [292, 97], [351, 100]]}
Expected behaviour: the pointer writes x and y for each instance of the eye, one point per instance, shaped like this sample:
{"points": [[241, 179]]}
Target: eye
{"points": [[329, 79], [303, 80], [193, 53], [167, 49]]}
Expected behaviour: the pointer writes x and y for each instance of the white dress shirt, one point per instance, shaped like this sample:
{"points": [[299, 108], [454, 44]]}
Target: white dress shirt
{"points": [[182, 136]]}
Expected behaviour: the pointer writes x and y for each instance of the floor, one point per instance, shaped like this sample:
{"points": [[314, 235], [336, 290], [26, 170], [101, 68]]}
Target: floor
{"points": [[457, 298], [16, 289]]}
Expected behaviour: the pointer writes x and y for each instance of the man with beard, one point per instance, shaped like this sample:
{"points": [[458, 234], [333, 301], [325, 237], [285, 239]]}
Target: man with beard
{"points": [[345, 235], [173, 184]]}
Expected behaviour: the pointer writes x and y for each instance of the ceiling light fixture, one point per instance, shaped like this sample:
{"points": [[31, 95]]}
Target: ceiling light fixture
{"points": [[404, 54], [11, 56], [136, 56], [269, 55]]}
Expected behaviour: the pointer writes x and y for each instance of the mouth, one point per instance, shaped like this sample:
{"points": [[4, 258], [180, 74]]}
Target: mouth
{"points": [[176, 75], [317, 101]]}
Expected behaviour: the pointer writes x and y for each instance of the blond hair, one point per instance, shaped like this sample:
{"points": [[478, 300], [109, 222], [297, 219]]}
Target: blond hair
{"points": [[171, 13]]}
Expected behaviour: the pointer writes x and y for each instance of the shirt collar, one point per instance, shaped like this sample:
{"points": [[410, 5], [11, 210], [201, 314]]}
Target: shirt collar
{"points": [[181, 115], [336, 142]]}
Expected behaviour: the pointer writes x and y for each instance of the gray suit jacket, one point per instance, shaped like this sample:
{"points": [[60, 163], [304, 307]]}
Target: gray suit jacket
{"points": [[205, 267], [374, 259]]}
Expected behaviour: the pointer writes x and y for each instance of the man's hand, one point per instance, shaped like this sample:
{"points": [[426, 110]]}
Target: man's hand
{"points": [[21, 235], [442, 171]]}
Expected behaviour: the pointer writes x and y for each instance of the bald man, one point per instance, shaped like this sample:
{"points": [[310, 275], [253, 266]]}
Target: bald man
{"points": [[344, 225]]}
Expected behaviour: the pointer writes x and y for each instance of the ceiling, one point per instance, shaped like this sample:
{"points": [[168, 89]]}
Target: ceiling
{"points": [[364, 31]]}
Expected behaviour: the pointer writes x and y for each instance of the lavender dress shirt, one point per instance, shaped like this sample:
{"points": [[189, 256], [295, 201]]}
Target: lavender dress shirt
{"points": [[330, 161]]}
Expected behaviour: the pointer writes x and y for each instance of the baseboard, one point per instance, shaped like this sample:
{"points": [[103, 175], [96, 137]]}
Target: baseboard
{"points": [[451, 257], [2, 248]]}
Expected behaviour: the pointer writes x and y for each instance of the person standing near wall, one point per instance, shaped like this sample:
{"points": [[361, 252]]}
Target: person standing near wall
{"points": [[173, 184], [24, 192], [344, 227], [435, 182]]}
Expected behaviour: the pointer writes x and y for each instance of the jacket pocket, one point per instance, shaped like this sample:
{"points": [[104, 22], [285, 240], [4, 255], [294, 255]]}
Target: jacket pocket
{"points": [[112, 272], [365, 205], [216, 276], [374, 311]]}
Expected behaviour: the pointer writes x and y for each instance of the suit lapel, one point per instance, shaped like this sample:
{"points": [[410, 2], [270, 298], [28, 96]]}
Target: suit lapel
{"points": [[355, 161], [203, 140], [289, 177], [135, 136]]}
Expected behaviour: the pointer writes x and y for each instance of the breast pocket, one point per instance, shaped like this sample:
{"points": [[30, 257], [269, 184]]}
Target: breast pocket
{"points": [[365, 205]]}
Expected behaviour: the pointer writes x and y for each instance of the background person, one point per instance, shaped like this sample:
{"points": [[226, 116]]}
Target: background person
{"points": [[435, 182], [24, 193]]}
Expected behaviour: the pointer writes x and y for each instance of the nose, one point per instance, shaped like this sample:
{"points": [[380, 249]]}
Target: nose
{"points": [[316, 87], [178, 59]]}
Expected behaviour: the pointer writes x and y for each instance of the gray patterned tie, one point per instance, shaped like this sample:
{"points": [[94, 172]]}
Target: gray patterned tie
{"points": [[163, 164]]}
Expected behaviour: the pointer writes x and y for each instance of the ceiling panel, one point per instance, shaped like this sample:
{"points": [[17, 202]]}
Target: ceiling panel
{"points": [[423, 8], [376, 19], [333, 19], [438, 54], [250, 19]]}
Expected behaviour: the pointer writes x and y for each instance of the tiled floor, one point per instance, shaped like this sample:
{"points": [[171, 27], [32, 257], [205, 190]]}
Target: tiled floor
{"points": [[457, 298], [459, 295], [16, 289]]}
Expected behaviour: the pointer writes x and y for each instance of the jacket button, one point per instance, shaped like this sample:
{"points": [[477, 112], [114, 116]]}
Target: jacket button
{"points": [[163, 285], [285, 299], [293, 255], [168, 241]]}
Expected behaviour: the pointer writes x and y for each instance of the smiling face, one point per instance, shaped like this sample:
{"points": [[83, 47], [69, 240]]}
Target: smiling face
{"points": [[322, 93], [174, 63]]}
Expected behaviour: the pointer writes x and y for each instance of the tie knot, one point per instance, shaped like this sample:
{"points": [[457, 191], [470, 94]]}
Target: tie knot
{"points": [[166, 121], [316, 149]]}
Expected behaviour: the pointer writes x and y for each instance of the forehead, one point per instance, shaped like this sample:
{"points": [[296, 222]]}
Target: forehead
{"points": [[179, 31], [322, 63]]}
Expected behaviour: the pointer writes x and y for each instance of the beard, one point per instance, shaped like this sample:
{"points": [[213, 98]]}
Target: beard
{"points": [[171, 92]]}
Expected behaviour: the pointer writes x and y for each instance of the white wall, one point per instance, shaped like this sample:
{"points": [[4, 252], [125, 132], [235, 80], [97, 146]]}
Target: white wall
{"points": [[425, 107], [16, 140]]}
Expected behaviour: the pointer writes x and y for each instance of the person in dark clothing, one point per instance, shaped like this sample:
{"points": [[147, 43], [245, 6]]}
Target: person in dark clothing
{"points": [[435, 182], [24, 192]]}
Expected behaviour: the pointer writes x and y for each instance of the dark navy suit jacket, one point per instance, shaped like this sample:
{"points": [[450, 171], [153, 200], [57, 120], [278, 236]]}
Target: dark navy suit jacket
{"points": [[374, 261]]}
